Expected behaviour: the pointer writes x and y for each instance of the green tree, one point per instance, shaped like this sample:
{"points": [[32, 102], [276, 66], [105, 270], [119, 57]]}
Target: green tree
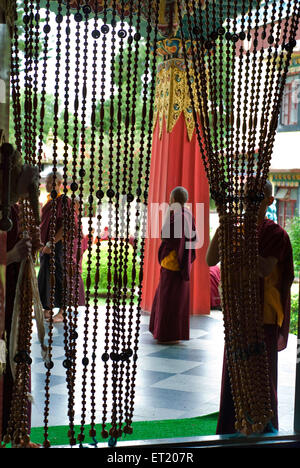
{"points": [[293, 230], [48, 117], [123, 132]]}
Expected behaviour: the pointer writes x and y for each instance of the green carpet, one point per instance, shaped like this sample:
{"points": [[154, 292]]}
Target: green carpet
{"points": [[144, 430]]}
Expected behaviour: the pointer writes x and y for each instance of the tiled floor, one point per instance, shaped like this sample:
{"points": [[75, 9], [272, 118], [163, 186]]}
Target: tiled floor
{"points": [[174, 381]]}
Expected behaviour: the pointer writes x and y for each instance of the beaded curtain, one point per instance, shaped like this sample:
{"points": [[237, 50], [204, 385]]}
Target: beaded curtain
{"points": [[239, 86], [93, 55], [240, 83]]}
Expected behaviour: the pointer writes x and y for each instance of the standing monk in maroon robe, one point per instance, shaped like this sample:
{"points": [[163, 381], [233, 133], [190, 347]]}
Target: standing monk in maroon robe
{"points": [[18, 249], [169, 321], [276, 273], [63, 208]]}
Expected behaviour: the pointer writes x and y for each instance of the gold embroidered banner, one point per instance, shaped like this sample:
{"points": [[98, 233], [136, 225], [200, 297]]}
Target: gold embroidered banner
{"points": [[173, 97]]}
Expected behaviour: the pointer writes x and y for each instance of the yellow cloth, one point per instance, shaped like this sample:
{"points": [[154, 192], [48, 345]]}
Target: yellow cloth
{"points": [[273, 311], [170, 262], [50, 198]]}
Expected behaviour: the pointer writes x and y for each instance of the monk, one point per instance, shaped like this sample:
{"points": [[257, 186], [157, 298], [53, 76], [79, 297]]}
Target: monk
{"points": [[169, 321], [276, 273], [17, 249], [63, 206]]}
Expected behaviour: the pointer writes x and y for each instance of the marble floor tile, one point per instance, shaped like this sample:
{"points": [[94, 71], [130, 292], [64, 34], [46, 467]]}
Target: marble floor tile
{"points": [[181, 381]]}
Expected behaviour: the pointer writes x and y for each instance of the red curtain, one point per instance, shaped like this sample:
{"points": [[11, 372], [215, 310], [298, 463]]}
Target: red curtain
{"points": [[177, 161]]}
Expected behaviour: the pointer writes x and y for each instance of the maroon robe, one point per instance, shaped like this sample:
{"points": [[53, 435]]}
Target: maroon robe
{"points": [[169, 320], [273, 241], [12, 274], [215, 278], [44, 273]]}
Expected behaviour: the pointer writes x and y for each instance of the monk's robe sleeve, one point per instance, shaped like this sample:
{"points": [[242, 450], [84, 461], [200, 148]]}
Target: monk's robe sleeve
{"points": [[63, 205], [274, 242], [181, 241]]}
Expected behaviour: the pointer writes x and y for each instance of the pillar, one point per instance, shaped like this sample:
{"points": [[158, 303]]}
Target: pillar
{"points": [[176, 160]]}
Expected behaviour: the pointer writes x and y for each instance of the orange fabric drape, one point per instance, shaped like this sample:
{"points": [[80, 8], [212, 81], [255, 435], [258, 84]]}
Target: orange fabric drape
{"points": [[177, 161]]}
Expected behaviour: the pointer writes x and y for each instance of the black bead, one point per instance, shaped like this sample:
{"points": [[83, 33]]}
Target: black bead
{"points": [[208, 45], [47, 28], [73, 335], [105, 357], [137, 36], [74, 186], [123, 357], [49, 365], [110, 193], [129, 352], [86, 9], [114, 356], [214, 35], [67, 363], [242, 35], [81, 173], [59, 18], [122, 33], [221, 31], [228, 36], [96, 34], [130, 197], [234, 37], [85, 361], [290, 45], [104, 29], [99, 194], [53, 194], [78, 17], [270, 39]]}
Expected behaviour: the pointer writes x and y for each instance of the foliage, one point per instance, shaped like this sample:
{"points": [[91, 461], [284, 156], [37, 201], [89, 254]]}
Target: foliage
{"points": [[22, 29], [117, 251], [122, 130], [293, 230], [294, 314], [220, 93]]}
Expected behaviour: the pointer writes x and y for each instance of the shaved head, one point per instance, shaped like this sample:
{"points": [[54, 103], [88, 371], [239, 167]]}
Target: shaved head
{"points": [[58, 176], [268, 191], [179, 195]]}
